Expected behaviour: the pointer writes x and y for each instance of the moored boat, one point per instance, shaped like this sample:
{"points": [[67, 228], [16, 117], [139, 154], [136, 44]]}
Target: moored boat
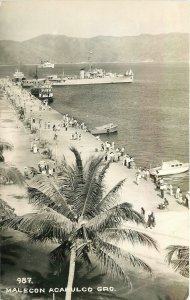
{"points": [[93, 76], [43, 92], [18, 76], [170, 168], [108, 128]]}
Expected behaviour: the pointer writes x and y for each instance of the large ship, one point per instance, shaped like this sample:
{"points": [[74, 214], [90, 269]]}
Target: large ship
{"points": [[93, 76], [46, 64]]}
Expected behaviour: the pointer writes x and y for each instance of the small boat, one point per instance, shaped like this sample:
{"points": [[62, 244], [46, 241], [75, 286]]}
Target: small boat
{"points": [[108, 128], [29, 83], [170, 168], [43, 92]]}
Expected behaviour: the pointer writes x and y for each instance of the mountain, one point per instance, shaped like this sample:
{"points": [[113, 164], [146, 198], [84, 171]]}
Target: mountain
{"points": [[172, 47]]}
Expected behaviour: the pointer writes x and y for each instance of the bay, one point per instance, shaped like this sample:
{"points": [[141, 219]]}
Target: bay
{"points": [[151, 112]]}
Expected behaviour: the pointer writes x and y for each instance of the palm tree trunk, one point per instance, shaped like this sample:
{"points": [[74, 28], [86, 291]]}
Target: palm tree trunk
{"points": [[71, 273]]}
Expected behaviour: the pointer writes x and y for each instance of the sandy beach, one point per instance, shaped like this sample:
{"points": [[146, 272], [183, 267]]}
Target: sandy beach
{"points": [[171, 224]]}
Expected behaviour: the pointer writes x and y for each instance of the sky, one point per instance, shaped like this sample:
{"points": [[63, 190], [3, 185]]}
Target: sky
{"points": [[24, 19]]}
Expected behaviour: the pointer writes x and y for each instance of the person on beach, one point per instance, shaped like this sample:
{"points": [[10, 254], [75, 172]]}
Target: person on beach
{"points": [[48, 125], [151, 220], [156, 178], [55, 136], [122, 151], [166, 203], [147, 174], [112, 157], [178, 190], [171, 189], [54, 127], [186, 200], [142, 212], [180, 199], [125, 160], [138, 177], [162, 191], [26, 173], [35, 149]]}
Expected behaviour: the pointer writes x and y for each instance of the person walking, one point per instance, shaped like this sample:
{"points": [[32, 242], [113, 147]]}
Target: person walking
{"points": [[171, 189], [162, 190], [151, 220], [178, 190], [138, 177], [142, 212]]}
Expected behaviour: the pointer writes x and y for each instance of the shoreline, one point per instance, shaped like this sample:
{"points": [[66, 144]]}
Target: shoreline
{"points": [[167, 230], [108, 62]]}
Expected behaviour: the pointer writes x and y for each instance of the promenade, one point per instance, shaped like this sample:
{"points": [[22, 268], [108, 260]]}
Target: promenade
{"points": [[171, 224]]}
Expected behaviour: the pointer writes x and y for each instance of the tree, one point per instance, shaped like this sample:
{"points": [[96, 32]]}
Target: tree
{"points": [[178, 257], [4, 146], [8, 172], [84, 219]]}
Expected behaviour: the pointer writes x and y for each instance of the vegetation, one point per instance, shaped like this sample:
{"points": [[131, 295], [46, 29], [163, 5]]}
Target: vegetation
{"points": [[4, 146], [8, 172], [84, 219], [178, 257]]}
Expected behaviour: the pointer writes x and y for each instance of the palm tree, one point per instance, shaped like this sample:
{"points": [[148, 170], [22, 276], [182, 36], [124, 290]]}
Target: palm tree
{"points": [[178, 257], [4, 146], [84, 219], [8, 172]]}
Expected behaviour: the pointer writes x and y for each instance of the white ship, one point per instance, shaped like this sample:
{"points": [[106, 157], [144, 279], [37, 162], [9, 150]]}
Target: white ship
{"points": [[18, 76], [170, 168], [46, 64], [95, 76]]}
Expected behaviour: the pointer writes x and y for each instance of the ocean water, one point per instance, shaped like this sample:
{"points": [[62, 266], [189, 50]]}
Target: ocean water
{"points": [[151, 113]]}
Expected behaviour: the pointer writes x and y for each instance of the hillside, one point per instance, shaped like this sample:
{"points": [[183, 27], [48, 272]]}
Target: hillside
{"points": [[171, 47]]}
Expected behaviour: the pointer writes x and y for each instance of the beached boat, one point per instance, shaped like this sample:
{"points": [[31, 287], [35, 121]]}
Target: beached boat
{"points": [[108, 128], [170, 168]]}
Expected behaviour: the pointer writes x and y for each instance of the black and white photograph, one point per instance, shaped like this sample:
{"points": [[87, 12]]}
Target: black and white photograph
{"points": [[94, 149]]}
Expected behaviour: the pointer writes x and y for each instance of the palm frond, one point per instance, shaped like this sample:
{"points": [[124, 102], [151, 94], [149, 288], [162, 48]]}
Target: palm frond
{"points": [[49, 188], [6, 211], [109, 266], [10, 174], [42, 226], [131, 235], [110, 198], [114, 217], [117, 253], [86, 193], [78, 161], [60, 253], [5, 146], [178, 257]]}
